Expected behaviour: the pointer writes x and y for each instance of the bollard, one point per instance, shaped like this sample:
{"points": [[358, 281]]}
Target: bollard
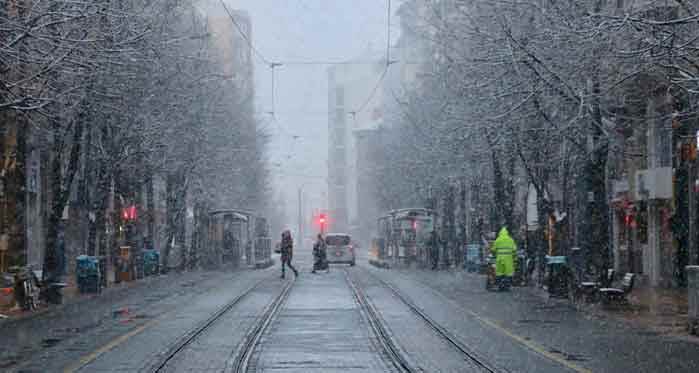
{"points": [[693, 299]]}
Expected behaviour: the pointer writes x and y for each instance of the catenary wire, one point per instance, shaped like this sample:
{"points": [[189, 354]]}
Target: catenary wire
{"points": [[245, 36], [277, 64]]}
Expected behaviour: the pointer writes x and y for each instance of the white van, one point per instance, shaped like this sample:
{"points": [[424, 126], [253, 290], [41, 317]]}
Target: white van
{"points": [[339, 248]]}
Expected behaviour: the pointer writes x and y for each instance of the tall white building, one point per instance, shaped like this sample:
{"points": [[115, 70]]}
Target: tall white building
{"points": [[354, 104]]}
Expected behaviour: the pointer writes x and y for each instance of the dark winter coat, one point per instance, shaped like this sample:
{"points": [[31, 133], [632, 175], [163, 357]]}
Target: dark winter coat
{"points": [[320, 256], [287, 248]]}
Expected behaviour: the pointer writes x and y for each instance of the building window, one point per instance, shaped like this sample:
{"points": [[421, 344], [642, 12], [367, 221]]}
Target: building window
{"points": [[340, 96], [340, 117], [340, 155]]}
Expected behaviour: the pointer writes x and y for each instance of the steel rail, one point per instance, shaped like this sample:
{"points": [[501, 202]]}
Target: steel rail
{"points": [[242, 361], [191, 336], [377, 326], [440, 330]]}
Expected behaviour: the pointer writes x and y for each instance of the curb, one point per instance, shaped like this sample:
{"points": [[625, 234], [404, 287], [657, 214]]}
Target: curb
{"points": [[79, 300]]}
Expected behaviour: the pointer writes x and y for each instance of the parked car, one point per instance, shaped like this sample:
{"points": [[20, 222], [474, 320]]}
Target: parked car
{"points": [[339, 248]]}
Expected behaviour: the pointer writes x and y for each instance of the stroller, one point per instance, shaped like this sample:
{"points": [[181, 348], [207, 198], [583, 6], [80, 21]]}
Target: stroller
{"points": [[491, 283], [320, 258]]}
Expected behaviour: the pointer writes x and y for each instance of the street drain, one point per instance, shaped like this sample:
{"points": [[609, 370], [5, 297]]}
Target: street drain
{"points": [[49, 342]]}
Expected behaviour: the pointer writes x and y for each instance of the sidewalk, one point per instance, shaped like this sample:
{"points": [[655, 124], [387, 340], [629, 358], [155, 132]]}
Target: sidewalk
{"points": [[86, 322], [658, 310], [592, 337], [71, 297], [662, 310]]}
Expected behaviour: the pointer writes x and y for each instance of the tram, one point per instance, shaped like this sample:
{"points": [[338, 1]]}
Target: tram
{"points": [[228, 235], [237, 235], [403, 236]]}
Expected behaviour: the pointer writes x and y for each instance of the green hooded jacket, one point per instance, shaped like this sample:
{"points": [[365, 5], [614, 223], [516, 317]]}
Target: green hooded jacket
{"points": [[504, 249]]}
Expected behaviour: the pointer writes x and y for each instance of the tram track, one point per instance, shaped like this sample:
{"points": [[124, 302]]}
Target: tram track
{"points": [[439, 330], [241, 363], [383, 337], [242, 358]]}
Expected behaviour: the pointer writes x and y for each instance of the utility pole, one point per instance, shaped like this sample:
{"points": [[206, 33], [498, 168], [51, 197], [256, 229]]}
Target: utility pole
{"points": [[300, 222]]}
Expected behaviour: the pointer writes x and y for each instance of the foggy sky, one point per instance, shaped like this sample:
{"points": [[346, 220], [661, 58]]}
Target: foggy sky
{"points": [[306, 30]]}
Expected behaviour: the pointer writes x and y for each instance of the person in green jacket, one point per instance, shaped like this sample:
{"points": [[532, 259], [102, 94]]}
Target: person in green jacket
{"points": [[504, 249]]}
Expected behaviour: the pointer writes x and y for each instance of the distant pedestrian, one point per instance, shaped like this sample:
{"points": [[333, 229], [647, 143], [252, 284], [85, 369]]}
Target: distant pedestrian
{"points": [[320, 255], [504, 249], [287, 251], [434, 244]]}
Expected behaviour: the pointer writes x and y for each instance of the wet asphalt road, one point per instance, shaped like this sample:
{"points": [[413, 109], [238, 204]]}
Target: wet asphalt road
{"points": [[320, 326]]}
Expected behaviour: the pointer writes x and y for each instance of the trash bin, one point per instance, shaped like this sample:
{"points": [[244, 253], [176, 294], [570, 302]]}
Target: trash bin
{"points": [[557, 279], [151, 262], [87, 272], [54, 293]]}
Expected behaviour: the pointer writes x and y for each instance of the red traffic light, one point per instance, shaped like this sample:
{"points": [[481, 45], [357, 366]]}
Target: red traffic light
{"points": [[321, 219], [129, 213]]}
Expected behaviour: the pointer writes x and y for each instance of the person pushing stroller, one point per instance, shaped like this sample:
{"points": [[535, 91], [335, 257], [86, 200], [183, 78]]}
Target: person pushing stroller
{"points": [[320, 257]]}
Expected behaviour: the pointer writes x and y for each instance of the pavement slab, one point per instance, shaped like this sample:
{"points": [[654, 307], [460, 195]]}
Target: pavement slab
{"points": [[322, 328], [48, 339], [424, 349], [143, 349], [558, 330], [319, 329]]}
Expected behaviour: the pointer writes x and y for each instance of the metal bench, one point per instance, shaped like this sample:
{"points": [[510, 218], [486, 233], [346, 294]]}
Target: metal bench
{"points": [[619, 294], [588, 291]]}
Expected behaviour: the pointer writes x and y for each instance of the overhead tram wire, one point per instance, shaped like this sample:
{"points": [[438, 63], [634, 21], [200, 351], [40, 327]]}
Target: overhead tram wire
{"points": [[366, 102], [388, 34], [385, 69], [272, 64], [245, 36]]}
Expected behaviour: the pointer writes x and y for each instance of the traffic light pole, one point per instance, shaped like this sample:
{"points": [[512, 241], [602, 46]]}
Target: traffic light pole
{"points": [[300, 231]]}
